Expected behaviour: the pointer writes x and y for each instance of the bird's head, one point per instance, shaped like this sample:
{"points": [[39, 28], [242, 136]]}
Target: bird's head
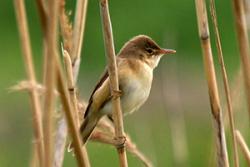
{"points": [[144, 48]]}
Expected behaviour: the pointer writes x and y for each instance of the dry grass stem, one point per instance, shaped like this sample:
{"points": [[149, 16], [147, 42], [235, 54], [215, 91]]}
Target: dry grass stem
{"points": [[78, 35], [68, 109], [49, 98], [212, 84], [241, 27], [72, 43], [43, 14], [225, 81], [71, 87], [66, 30], [27, 55], [62, 129], [243, 146], [78, 31], [114, 85]]}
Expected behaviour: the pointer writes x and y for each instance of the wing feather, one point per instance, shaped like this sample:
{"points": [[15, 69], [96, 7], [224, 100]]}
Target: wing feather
{"points": [[103, 78], [101, 93]]}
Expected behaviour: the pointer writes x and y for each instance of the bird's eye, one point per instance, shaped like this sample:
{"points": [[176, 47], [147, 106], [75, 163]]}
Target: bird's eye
{"points": [[150, 51]]}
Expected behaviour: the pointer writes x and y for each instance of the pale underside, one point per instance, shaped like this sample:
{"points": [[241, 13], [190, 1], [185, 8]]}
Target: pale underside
{"points": [[135, 85]]}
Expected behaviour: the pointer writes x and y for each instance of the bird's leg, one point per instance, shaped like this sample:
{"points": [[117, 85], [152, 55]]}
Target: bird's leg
{"points": [[120, 142], [116, 93]]}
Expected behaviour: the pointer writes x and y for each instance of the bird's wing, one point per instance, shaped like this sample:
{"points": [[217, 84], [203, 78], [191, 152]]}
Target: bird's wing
{"points": [[101, 93], [103, 83]]}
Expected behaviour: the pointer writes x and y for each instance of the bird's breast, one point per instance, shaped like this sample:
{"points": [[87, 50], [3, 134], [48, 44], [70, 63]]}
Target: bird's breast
{"points": [[135, 85], [135, 90]]}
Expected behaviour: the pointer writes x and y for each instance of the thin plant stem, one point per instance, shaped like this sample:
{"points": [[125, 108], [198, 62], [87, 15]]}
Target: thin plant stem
{"points": [[73, 98], [241, 27], [222, 157], [113, 75], [78, 35], [225, 81], [79, 27], [70, 83], [43, 15], [72, 67], [243, 146], [73, 130], [27, 55], [42, 11], [49, 98]]}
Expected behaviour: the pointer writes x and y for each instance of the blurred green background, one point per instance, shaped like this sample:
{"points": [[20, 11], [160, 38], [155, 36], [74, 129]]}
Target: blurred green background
{"points": [[174, 127]]}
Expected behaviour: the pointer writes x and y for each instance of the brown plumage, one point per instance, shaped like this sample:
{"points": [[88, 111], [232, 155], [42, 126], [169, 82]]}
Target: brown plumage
{"points": [[135, 63]]}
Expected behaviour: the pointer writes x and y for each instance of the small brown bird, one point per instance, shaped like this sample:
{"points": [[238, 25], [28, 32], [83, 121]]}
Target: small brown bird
{"points": [[135, 64]]}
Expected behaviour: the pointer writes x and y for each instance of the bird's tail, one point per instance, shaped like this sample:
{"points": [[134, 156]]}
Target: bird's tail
{"points": [[86, 129]]}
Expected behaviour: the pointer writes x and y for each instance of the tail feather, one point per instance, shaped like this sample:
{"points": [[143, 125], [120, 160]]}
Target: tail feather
{"points": [[86, 129]]}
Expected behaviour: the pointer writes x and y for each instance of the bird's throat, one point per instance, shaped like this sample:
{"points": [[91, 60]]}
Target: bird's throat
{"points": [[153, 61]]}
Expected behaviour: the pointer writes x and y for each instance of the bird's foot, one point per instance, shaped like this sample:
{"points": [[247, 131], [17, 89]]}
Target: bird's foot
{"points": [[120, 142], [116, 93]]}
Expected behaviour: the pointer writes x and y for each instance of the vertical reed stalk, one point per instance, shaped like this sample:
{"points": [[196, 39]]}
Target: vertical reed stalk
{"points": [[72, 62], [112, 69], [49, 98], [243, 42], [71, 87], [78, 31], [42, 13], [225, 81], [64, 95], [73, 98], [212, 84], [27, 55], [243, 146]]}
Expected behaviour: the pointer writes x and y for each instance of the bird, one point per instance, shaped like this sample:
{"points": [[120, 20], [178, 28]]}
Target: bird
{"points": [[136, 62]]}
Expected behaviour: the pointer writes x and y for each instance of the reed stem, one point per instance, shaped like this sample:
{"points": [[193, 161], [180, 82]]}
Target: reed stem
{"points": [[113, 76], [225, 82], [30, 71], [49, 98], [72, 127], [243, 146], [222, 157], [72, 61]]}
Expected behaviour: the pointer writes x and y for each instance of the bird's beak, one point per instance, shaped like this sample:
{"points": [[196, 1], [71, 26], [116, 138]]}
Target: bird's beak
{"points": [[167, 51]]}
